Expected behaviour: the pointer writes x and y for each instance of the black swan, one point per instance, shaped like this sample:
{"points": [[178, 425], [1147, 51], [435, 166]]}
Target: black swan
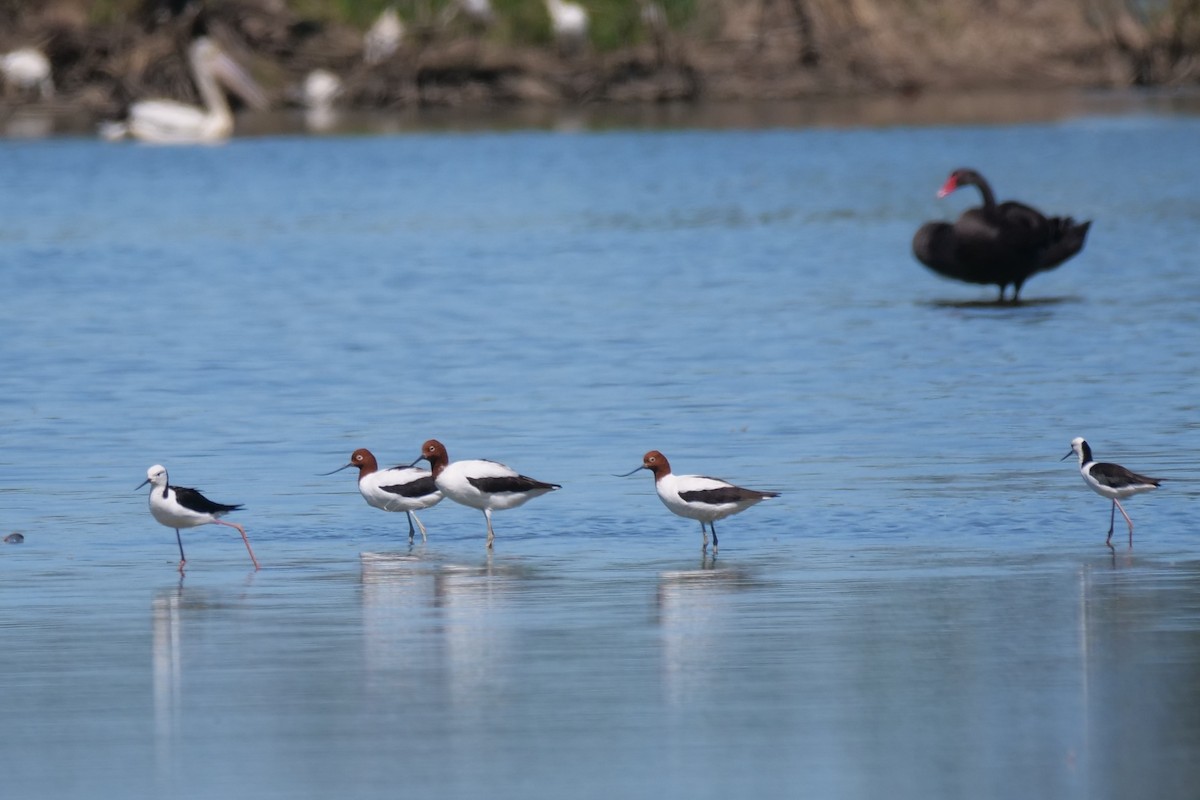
{"points": [[1001, 244]]}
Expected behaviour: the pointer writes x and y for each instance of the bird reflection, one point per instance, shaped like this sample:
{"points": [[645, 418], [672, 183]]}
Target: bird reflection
{"points": [[171, 610], [1038, 302], [396, 592], [693, 615], [28, 124], [433, 627], [164, 612]]}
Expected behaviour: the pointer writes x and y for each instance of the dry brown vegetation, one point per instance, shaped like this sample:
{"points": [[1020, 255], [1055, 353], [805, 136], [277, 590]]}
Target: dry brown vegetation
{"points": [[717, 49]]}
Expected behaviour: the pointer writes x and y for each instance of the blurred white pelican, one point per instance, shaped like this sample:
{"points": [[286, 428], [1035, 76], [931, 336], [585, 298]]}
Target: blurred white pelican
{"points": [[476, 12], [382, 39], [172, 122], [569, 21], [28, 68]]}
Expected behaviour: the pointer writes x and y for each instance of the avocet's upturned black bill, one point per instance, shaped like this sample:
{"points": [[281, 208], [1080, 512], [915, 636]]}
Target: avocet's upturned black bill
{"points": [[697, 497], [1110, 480], [179, 507]]}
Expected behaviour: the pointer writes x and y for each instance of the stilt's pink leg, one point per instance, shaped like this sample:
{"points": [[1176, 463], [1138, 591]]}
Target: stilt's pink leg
{"points": [[245, 539], [1127, 520], [182, 557]]}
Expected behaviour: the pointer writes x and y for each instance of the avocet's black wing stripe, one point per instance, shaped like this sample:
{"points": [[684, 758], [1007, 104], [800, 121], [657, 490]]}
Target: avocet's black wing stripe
{"points": [[418, 488], [723, 495], [509, 483]]}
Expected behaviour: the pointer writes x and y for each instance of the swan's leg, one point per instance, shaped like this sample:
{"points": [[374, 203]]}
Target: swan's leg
{"points": [[1016, 298]]}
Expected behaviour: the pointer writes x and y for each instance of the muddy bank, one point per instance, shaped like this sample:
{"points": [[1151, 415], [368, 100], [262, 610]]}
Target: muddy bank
{"points": [[713, 50]]}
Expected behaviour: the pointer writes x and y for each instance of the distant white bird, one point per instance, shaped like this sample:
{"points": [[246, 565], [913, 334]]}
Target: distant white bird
{"points": [[321, 88], [27, 69], [318, 94], [653, 16], [383, 38], [172, 122], [654, 19], [569, 21], [477, 13]]}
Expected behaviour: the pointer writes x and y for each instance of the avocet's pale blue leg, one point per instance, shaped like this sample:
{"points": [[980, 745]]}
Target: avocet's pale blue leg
{"points": [[412, 516]]}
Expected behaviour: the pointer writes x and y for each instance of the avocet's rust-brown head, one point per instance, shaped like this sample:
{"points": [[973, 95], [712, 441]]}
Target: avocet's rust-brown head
{"points": [[654, 461], [364, 459], [657, 463], [435, 453]]}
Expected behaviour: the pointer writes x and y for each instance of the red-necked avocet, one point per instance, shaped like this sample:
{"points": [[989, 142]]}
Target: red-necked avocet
{"points": [[403, 488], [698, 497], [486, 485]]}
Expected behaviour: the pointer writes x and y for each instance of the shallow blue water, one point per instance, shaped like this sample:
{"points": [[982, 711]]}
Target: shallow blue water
{"points": [[927, 611]]}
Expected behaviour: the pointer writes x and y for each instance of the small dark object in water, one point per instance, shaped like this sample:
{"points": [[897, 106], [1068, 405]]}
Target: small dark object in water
{"points": [[14, 538]]}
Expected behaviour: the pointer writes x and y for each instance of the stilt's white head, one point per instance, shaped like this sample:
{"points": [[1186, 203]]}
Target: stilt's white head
{"points": [[1080, 448], [155, 476]]}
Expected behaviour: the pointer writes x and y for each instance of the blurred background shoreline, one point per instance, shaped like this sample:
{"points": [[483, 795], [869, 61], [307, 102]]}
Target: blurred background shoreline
{"points": [[713, 63]]}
